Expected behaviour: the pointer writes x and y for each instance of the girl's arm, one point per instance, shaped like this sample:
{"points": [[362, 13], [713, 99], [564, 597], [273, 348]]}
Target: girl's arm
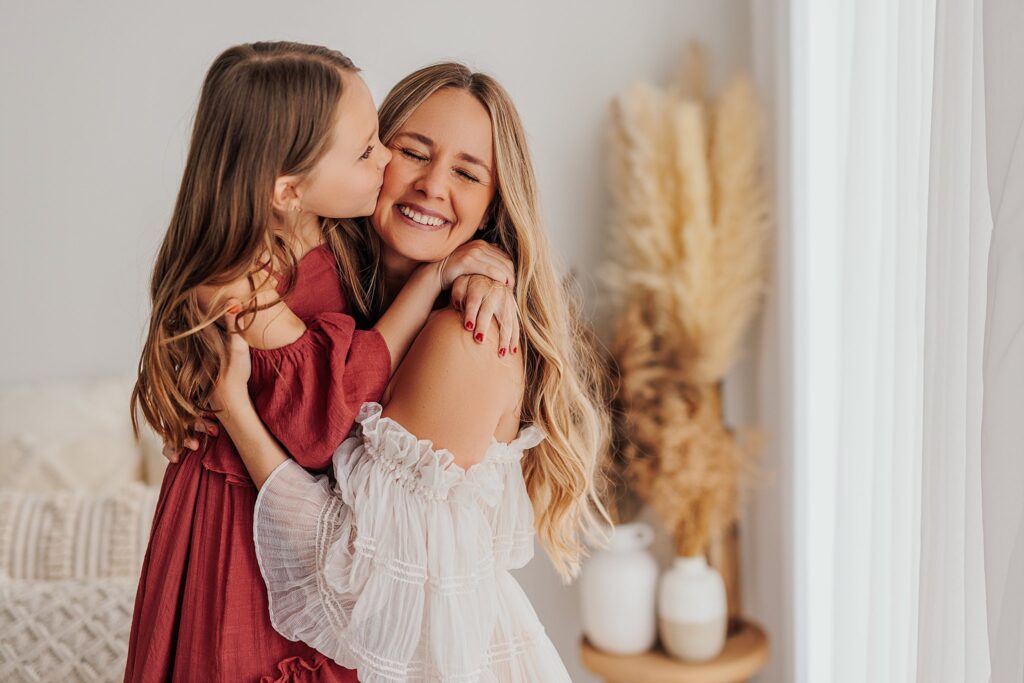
{"points": [[452, 392], [335, 368], [278, 326]]}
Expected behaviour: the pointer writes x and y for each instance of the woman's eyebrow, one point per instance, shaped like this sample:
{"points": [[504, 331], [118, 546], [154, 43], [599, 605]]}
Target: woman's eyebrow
{"points": [[473, 160], [465, 156], [419, 137]]}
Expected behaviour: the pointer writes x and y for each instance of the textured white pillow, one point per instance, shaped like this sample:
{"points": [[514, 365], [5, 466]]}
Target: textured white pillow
{"points": [[65, 630], [75, 535], [66, 436]]}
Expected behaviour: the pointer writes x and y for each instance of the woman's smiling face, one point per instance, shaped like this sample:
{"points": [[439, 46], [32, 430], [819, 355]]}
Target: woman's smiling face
{"points": [[440, 180]]}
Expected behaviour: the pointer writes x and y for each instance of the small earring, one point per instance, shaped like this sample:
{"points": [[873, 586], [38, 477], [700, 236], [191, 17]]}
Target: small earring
{"points": [[296, 207]]}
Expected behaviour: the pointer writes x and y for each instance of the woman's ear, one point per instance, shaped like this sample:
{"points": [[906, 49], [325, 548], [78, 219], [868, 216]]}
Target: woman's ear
{"points": [[287, 197]]}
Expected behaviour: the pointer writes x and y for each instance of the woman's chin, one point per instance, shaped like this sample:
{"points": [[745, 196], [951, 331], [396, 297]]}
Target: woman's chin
{"points": [[414, 244]]}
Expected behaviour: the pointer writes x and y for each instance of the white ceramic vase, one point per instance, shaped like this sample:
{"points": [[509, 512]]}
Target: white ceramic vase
{"points": [[692, 610], [618, 590]]}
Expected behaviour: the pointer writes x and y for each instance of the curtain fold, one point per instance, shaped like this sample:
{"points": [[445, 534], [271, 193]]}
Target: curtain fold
{"points": [[907, 395], [952, 631], [1002, 429]]}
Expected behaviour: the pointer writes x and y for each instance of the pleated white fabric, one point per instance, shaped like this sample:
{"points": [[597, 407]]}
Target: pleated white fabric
{"points": [[399, 567]]}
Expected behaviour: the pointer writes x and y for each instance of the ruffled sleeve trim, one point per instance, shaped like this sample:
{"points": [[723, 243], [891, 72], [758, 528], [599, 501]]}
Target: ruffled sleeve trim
{"points": [[329, 324], [413, 463]]}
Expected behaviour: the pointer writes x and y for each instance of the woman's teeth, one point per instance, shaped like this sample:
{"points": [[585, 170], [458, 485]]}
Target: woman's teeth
{"points": [[420, 218]]}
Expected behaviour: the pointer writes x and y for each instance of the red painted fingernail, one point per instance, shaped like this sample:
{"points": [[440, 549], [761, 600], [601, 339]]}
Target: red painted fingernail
{"points": [[501, 352], [515, 349], [469, 324], [479, 336], [234, 310]]}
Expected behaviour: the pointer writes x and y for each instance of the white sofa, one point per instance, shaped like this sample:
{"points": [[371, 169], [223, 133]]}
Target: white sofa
{"points": [[77, 495]]}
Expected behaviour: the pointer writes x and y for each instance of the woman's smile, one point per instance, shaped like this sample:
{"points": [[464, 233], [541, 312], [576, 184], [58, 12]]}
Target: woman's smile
{"points": [[421, 218]]}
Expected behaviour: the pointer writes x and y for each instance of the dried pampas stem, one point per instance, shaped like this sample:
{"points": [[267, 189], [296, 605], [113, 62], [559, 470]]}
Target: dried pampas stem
{"points": [[687, 270]]}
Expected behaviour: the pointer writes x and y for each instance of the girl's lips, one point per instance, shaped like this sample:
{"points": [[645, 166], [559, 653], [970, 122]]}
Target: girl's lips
{"points": [[419, 226]]}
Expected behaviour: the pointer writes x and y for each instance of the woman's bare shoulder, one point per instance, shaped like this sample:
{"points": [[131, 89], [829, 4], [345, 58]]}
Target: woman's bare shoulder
{"points": [[445, 339], [454, 390]]}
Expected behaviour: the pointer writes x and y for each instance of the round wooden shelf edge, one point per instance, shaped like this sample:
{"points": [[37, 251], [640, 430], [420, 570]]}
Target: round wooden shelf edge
{"points": [[745, 652]]}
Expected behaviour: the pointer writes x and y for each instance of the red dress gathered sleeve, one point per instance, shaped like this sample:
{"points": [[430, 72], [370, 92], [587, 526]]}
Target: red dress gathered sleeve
{"points": [[309, 392]]}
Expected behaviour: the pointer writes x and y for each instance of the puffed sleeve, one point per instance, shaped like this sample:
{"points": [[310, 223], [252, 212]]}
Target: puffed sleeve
{"points": [[390, 570], [511, 518], [309, 392]]}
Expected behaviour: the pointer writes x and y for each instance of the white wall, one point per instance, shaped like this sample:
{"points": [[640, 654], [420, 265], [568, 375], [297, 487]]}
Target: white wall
{"points": [[97, 100]]}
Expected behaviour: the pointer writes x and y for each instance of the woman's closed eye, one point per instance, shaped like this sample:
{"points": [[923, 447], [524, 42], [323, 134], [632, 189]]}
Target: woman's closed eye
{"points": [[415, 156]]}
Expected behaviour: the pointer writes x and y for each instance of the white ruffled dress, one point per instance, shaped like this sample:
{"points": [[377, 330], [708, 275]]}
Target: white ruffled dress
{"points": [[399, 568]]}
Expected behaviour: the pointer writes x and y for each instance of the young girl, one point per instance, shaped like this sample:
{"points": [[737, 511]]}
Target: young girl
{"points": [[284, 147], [399, 566]]}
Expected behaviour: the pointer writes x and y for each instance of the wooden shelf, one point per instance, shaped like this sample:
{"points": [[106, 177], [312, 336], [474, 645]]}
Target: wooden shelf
{"points": [[745, 652]]}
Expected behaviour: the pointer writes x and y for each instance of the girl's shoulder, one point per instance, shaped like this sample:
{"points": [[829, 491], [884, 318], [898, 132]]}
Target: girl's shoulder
{"points": [[266, 321]]}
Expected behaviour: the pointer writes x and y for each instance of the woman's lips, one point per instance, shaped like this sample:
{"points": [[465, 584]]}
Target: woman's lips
{"points": [[419, 226]]}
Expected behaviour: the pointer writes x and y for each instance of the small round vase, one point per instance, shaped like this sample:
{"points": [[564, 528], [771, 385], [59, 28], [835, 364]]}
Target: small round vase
{"points": [[618, 590], [692, 610]]}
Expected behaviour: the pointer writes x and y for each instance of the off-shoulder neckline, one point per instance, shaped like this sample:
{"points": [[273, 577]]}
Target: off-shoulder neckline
{"points": [[527, 437]]}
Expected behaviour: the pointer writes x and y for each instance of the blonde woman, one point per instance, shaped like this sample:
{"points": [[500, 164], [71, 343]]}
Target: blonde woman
{"points": [[397, 565]]}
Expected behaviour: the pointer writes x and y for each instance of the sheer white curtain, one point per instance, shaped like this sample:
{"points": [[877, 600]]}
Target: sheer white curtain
{"points": [[893, 289], [1003, 418]]}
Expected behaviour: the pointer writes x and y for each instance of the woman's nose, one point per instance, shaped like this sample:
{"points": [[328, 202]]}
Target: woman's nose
{"points": [[432, 182]]}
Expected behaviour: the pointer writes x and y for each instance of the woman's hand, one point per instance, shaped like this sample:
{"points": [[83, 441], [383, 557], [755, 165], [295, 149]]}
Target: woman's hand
{"points": [[201, 426], [481, 300], [231, 385]]}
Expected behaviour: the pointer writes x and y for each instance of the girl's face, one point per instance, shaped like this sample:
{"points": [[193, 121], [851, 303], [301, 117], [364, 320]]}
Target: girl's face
{"points": [[440, 181], [346, 180]]}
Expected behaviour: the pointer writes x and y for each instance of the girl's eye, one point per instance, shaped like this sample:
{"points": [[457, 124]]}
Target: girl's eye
{"points": [[366, 154], [467, 176], [413, 155]]}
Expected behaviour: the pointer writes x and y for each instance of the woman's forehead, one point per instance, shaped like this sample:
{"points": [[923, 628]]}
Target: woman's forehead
{"points": [[455, 120]]}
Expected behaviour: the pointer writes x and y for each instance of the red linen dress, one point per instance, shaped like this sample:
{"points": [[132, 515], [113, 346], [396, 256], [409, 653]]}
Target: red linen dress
{"points": [[201, 610]]}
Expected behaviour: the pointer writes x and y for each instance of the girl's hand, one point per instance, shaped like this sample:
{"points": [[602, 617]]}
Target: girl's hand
{"points": [[487, 296], [481, 300], [234, 377], [480, 258]]}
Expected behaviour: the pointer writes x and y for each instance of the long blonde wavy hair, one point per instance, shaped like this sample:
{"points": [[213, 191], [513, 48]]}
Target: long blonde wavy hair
{"points": [[265, 110], [565, 384]]}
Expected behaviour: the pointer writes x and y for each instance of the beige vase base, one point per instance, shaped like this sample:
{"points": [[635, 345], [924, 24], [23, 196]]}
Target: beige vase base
{"points": [[693, 642]]}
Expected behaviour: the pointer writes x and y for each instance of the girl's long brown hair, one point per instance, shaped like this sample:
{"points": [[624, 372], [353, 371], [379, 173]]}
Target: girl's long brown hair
{"points": [[265, 110], [566, 386]]}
